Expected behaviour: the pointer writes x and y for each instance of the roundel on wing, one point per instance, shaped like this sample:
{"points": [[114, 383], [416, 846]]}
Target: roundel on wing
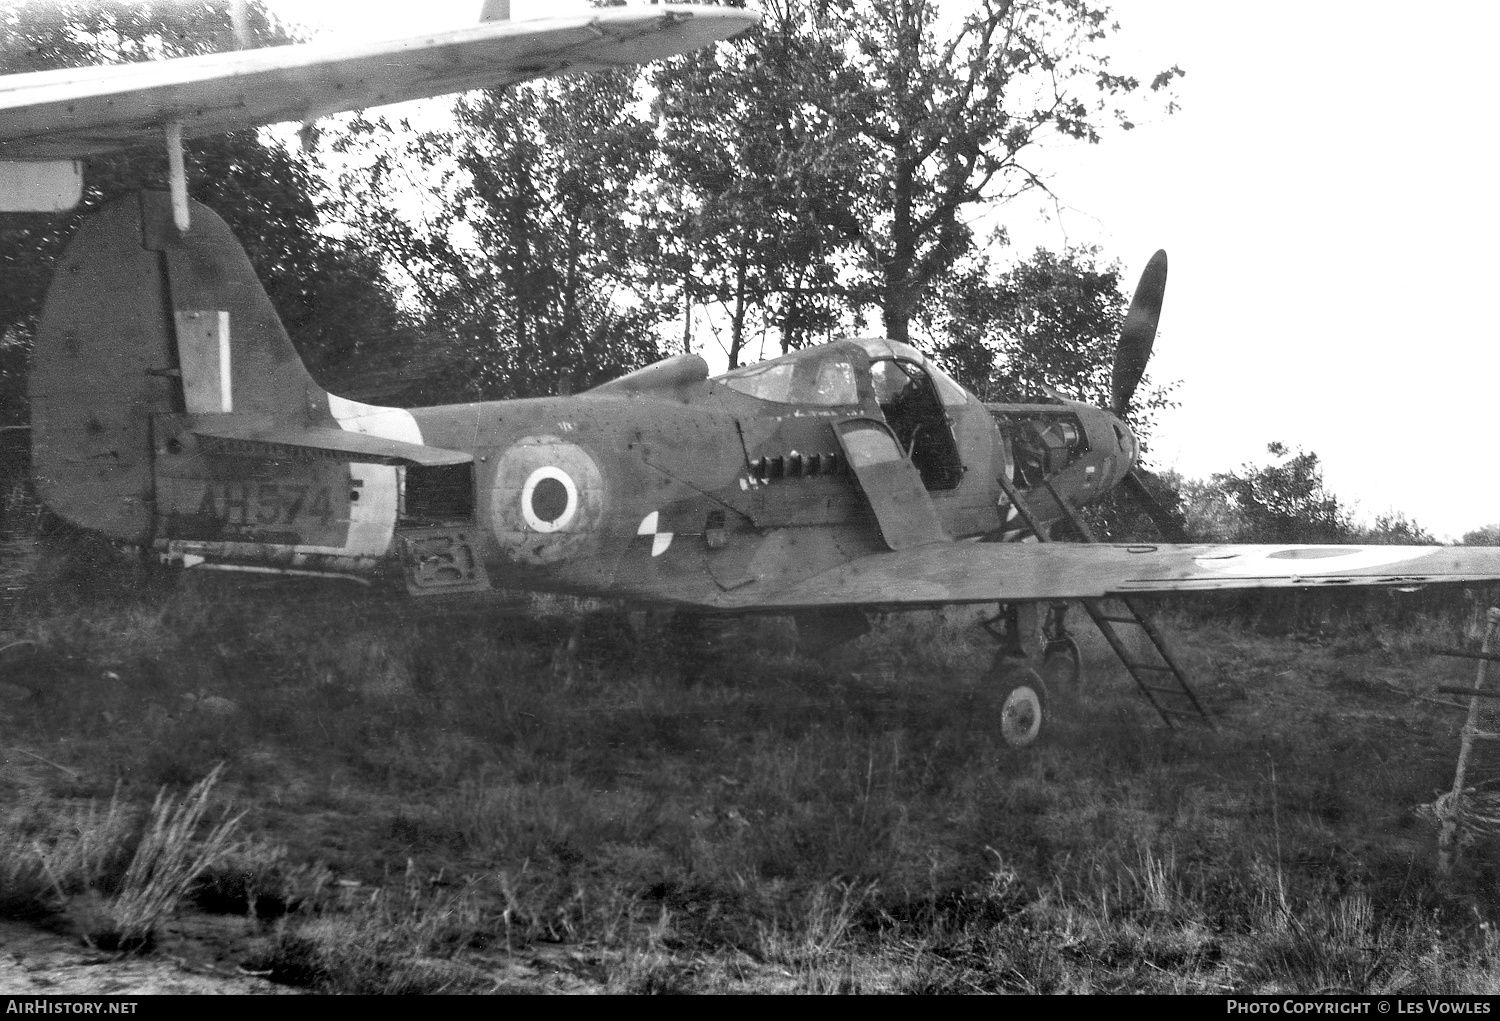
{"points": [[547, 500]]}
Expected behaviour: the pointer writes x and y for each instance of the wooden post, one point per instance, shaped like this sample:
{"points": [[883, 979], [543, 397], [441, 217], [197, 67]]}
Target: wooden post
{"points": [[1447, 836]]}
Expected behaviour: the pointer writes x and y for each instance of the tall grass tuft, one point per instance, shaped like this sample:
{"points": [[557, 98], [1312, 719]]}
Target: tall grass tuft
{"points": [[166, 862], [27, 893], [46, 863], [115, 871], [385, 941], [254, 877]]}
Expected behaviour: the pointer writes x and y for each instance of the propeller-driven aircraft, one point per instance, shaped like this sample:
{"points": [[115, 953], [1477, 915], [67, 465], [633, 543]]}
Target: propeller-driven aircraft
{"points": [[171, 412]]}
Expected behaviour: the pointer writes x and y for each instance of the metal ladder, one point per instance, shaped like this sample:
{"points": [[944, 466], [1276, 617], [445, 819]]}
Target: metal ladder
{"points": [[1164, 682]]}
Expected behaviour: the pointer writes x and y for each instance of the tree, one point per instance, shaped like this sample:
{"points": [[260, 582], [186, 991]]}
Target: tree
{"points": [[526, 256], [737, 199], [1489, 535], [1049, 322], [329, 296], [1284, 501], [1394, 528], [1119, 517], [893, 120], [1209, 514]]}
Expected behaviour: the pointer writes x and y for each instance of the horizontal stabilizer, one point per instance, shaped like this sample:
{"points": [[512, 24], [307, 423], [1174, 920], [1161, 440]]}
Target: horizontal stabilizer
{"points": [[237, 434]]}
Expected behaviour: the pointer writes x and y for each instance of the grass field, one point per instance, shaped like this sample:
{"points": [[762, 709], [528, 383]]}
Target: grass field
{"points": [[539, 794]]}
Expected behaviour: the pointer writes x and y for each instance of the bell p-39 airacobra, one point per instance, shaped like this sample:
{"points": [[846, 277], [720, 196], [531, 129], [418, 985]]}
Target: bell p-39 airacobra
{"points": [[171, 412]]}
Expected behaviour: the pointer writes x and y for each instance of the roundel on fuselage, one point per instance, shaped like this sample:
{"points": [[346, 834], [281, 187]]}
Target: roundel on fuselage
{"points": [[547, 500]]}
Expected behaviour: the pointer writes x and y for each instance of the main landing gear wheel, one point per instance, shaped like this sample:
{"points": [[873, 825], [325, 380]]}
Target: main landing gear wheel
{"points": [[1021, 716], [1023, 711], [1062, 664]]}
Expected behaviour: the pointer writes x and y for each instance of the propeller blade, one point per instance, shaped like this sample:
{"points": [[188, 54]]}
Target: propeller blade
{"points": [[1166, 522], [1138, 333]]}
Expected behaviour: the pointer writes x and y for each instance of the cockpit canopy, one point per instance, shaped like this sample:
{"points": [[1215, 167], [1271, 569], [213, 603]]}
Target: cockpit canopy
{"points": [[820, 376], [825, 376]]}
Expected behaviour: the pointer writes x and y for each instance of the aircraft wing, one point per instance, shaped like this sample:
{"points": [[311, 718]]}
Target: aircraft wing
{"points": [[71, 113], [942, 573]]}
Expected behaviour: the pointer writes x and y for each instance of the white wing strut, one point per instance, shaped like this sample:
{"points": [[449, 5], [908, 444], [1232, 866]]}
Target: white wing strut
{"points": [[177, 176]]}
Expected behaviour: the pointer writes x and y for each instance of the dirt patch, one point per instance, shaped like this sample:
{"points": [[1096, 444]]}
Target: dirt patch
{"points": [[36, 961]]}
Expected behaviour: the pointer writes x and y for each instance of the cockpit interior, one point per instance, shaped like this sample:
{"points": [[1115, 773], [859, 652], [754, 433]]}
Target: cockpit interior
{"points": [[913, 396]]}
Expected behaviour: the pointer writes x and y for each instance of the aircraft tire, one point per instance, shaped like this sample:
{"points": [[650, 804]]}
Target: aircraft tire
{"points": [[1023, 711]]}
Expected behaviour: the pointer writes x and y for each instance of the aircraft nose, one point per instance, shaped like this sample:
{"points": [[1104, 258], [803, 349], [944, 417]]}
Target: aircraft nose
{"points": [[1113, 442], [1126, 444]]}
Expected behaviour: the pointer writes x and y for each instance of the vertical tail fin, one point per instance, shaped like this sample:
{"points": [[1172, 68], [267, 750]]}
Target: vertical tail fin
{"points": [[141, 321]]}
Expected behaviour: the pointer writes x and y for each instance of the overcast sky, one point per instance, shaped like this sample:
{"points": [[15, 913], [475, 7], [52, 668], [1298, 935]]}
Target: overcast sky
{"points": [[1327, 198]]}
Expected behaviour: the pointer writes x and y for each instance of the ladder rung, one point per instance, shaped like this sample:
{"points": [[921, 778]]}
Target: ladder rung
{"points": [[1121, 620], [1466, 654]]}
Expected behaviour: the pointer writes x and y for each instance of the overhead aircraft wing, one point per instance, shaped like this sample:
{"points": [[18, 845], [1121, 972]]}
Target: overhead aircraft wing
{"points": [[70, 113], [942, 573]]}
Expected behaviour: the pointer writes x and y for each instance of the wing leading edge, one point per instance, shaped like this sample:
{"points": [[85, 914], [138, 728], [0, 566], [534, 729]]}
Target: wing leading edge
{"points": [[71, 113], [943, 573]]}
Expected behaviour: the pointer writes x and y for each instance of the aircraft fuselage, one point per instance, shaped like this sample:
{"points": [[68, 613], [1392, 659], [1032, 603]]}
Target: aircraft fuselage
{"points": [[171, 412]]}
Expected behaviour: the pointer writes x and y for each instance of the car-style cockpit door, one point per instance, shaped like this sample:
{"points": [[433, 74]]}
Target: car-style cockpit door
{"points": [[893, 486]]}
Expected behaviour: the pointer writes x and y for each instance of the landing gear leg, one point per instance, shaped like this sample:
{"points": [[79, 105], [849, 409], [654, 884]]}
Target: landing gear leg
{"points": [[1062, 664], [1005, 627], [1023, 710]]}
